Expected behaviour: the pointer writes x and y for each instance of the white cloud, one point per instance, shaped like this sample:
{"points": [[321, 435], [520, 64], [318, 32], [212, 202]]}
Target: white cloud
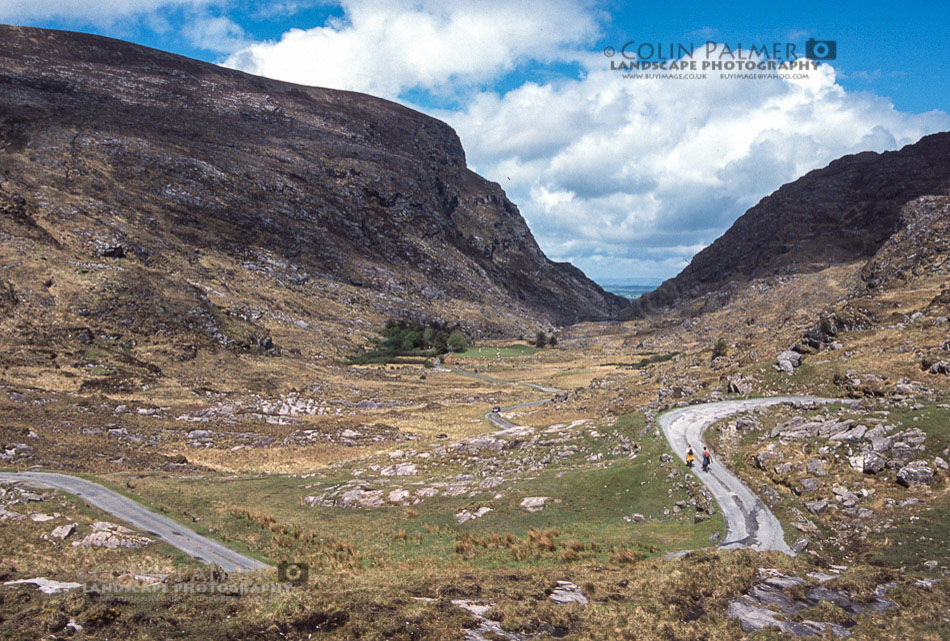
{"points": [[99, 12], [215, 33], [386, 47], [618, 174]]}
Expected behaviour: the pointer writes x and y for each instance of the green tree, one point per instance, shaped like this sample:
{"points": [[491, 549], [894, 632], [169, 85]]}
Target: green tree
{"points": [[540, 340], [552, 341], [457, 342], [410, 341]]}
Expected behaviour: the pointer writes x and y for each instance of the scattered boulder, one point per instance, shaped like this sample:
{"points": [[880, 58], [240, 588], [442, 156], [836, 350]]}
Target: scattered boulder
{"points": [[868, 462], [534, 503], [738, 384], [63, 531], [815, 467], [915, 474], [112, 536], [855, 433], [398, 495], [567, 592], [940, 367], [808, 484], [466, 515], [817, 507], [16, 453], [789, 467], [763, 458], [400, 469], [113, 251], [844, 496], [788, 360]]}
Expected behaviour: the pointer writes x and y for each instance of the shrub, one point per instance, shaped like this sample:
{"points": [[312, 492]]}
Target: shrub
{"points": [[456, 342], [721, 348], [540, 340]]}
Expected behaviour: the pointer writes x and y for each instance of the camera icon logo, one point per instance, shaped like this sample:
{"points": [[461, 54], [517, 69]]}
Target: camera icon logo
{"points": [[821, 49], [295, 573]]}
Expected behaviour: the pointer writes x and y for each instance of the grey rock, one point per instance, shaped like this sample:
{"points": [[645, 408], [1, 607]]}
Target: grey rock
{"points": [[844, 496], [739, 384], [940, 367], [763, 458], [789, 467], [809, 484], [534, 503], [63, 531], [400, 469], [112, 536], [788, 360], [868, 462], [817, 507], [815, 467], [914, 475], [567, 592], [856, 433]]}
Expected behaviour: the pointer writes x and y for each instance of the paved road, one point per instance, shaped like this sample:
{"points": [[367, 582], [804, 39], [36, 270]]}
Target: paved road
{"points": [[161, 527], [495, 417], [749, 522]]}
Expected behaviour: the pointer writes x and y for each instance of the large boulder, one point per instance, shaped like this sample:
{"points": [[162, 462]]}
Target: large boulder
{"points": [[739, 384], [868, 462], [915, 474], [788, 360]]}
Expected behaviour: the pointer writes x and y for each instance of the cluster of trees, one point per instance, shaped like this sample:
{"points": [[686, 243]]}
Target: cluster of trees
{"points": [[542, 339], [406, 338]]}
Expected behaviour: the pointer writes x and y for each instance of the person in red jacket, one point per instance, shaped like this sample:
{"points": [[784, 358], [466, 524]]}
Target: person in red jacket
{"points": [[706, 459]]}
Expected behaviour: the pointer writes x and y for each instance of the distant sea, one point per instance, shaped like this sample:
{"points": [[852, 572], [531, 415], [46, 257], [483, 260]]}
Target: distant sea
{"points": [[629, 289]]}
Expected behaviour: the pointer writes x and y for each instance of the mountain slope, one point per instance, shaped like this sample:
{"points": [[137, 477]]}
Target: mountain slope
{"points": [[841, 213], [147, 195]]}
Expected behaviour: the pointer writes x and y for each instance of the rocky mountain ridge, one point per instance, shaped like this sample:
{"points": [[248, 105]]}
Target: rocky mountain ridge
{"points": [[148, 197], [842, 213]]}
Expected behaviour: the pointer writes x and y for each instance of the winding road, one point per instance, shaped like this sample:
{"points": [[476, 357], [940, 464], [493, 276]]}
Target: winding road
{"points": [[161, 527], [749, 522]]}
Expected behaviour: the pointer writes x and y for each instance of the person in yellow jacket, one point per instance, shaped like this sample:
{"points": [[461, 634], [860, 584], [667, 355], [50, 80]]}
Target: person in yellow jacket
{"points": [[690, 457]]}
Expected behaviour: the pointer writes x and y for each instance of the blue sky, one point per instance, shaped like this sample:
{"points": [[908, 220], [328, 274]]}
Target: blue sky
{"points": [[625, 177]]}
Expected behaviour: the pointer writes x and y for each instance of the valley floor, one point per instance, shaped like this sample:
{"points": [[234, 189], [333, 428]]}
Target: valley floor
{"points": [[390, 507]]}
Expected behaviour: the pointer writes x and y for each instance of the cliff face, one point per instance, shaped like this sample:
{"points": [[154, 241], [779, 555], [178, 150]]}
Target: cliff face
{"points": [[920, 248], [161, 192], [841, 213]]}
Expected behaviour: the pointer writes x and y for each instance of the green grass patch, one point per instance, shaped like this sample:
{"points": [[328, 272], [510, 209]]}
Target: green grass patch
{"points": [[583, 518], [503, 351]]}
